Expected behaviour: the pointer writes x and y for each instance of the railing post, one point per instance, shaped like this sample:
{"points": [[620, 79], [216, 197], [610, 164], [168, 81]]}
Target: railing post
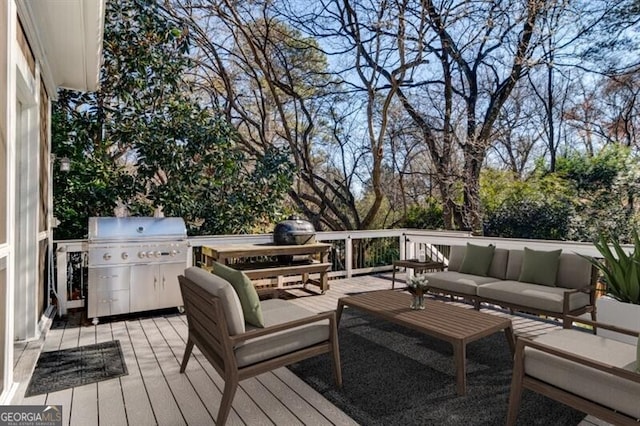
{"points": [[348, 255], [403, 246], [189, 256], [61, 279]]}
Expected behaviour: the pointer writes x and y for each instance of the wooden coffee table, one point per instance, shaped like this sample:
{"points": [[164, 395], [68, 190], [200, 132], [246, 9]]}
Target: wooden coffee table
{"points": [[439, 320]]}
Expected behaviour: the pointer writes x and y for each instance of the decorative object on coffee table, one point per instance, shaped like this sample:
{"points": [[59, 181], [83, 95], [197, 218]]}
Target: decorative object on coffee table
{"points": [[417, 286], [417, 266]]}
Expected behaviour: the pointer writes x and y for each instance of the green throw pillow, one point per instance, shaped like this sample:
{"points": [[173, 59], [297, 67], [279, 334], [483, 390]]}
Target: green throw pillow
{"points": [[540, 267], [477, 260], [246, 293]]}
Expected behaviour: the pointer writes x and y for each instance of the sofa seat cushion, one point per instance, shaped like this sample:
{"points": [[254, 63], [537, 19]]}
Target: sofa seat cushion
{"points": [[457, 282], [597, 386], [274, 312], [534, 296]]}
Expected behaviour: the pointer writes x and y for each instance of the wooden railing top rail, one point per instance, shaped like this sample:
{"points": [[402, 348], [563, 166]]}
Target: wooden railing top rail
{"points": [[409, 235]]}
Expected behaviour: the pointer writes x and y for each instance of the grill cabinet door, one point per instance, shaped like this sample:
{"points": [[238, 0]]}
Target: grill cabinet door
{"points": [[144, 287], [169, 289]]}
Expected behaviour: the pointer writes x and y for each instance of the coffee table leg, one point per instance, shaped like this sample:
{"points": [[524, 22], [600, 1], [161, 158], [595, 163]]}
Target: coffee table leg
{"points": [[393, 278], [339, 312], [508, 332], [459, 356]]}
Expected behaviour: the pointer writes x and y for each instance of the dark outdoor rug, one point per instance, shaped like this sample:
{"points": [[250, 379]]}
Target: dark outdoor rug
{"points": [[396, 376], [58, 370]]}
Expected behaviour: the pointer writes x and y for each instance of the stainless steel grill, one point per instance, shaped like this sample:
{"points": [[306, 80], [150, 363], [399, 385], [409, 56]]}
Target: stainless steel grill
{"points": [[134, 263]]}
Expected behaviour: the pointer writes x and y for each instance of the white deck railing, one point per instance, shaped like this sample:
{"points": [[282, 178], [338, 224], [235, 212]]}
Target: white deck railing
{"points": [[354, 252]]}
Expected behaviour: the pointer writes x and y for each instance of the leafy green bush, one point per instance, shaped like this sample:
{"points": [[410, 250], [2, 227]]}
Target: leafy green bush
{"points": [[537, 207], [427, 216], [526, 218]]}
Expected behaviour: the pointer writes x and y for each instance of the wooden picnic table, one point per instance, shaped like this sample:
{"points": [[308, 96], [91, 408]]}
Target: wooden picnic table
{"points": [[248, 258]]}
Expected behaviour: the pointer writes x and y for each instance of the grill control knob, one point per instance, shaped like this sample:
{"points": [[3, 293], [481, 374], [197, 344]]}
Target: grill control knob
{"points": [[149, 254], [106, 256], [173, 253], [125, 255], [158, 254], [142, 254]]}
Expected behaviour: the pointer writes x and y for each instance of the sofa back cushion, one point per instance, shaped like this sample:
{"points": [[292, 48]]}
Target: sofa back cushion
{"points": [[573, 270], [456, 254], [222, 289], [514, 264], [498, 268]]}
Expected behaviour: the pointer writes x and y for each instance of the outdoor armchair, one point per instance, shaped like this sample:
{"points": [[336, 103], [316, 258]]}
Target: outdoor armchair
{"points": [[590, 373], [239, 351]]}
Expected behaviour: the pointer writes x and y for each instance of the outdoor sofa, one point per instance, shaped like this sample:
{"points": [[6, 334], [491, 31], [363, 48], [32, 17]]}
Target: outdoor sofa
{"points": [[552, 283]]}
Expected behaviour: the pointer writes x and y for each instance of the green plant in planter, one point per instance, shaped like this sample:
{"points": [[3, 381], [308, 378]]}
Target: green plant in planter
{"points": [[621, 271]]}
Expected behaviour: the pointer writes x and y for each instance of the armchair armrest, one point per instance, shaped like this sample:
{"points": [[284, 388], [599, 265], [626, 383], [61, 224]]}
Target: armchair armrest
{"points": [[606, 326], [331, 316], [588, 289], [597, 365]]}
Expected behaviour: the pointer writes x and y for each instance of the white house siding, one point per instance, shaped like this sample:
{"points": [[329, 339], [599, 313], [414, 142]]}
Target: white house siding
{"points": [[7, 98], [43, 45]]}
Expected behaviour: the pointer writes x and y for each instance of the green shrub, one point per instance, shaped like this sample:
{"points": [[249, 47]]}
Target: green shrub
{"points": [[526, 218], [427, 216]]}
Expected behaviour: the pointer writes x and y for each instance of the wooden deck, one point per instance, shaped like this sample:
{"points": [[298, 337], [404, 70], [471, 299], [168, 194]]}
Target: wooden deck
{"points": [[154, 392]]}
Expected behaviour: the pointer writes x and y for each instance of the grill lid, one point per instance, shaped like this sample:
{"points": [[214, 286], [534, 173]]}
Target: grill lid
{"points": [[134, 228], [294, 231]]}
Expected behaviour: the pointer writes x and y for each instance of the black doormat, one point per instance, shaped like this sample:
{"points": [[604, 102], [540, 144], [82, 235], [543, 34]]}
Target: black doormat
{"points": [[67, 368], [396, 376]]}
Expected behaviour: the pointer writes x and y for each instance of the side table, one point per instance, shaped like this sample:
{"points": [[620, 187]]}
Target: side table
{"points": [[416, 265]]}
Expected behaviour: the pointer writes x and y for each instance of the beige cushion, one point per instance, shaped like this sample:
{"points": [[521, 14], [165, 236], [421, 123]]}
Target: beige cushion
{"points": [[278, 311], [573, 271], [456, 255], [457, 282], [597, 386], [221, 288], [247, 293], [514, 265], [498, 267], [531, 295]]}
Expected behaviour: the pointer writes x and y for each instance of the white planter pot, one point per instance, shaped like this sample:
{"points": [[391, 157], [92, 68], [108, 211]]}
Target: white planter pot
{"points": [[625, 315]]}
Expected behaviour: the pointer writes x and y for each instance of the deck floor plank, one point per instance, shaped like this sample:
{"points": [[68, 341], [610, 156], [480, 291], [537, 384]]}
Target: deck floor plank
{"points": [[111, 409], [329, 411], [191, 407], [292, 401], [273, 408], [204, 387], [163, 403], [84, 402], [137, 404], [246, 410]]}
